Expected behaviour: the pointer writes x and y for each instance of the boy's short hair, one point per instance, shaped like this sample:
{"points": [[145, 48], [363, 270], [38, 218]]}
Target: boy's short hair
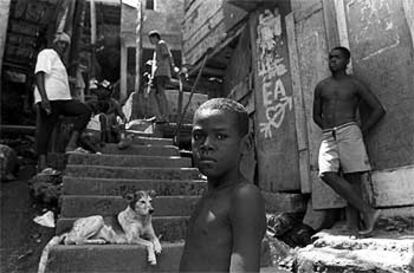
{"points": [[344, 50], [230, 106], [154, 33]]}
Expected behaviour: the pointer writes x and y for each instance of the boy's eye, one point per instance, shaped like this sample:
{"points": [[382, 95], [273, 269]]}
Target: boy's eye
{"points": [[220, 136], [196, 136]]}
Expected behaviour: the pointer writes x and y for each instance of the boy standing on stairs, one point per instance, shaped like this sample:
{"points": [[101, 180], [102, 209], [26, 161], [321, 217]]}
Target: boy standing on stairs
{"points": [[228, 224]]}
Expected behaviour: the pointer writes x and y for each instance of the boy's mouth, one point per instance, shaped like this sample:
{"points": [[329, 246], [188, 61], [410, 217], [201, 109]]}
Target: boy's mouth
{"points": [[207, 159]]}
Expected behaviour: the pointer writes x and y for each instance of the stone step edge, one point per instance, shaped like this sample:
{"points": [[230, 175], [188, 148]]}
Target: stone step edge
{"points": [[168, 228], [166, 146], [153, 218], [149, 138], [129, 168], [175, 157], [128, 180], [90, 196]]}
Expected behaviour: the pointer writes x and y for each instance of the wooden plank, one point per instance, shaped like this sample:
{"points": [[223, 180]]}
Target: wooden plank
{"points": [[210, 41], [408, 6], [342, 28], [275, 132], [303, 14], [300, 118], [208, 29], [199, 17], [4, 15], [239, 91], [331, 29], [230, 37]]}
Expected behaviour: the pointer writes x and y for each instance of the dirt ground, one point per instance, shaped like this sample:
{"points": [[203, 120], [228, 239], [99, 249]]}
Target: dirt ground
{"points": [[22, 240]]}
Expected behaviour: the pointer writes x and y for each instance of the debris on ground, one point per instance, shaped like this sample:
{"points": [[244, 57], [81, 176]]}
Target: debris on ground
{"points": [[46, 189], [288, 227], [8, 163], [46, 220]]}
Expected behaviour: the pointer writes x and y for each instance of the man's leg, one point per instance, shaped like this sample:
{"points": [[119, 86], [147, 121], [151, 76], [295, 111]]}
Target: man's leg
{"points": [[44, 127], [162, 101], [347, 191], [352, 214], [74, 108]]}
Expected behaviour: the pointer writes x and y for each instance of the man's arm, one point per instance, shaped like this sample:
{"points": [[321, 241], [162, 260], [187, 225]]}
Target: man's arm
{"points": [[248, 222], [377, 110], [317, 107], [40, 82]]}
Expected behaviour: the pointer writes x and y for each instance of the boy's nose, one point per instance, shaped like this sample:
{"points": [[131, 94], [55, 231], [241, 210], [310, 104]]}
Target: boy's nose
{"points": [[207, 143]]}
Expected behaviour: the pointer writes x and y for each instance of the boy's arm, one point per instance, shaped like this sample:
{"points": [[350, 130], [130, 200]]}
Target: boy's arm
{"points": [[248, 222], [317, 107], [376, 109], [119, 112]]}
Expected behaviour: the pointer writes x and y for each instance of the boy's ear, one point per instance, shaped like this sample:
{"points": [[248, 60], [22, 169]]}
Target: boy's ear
{"points": [[247, 143]]}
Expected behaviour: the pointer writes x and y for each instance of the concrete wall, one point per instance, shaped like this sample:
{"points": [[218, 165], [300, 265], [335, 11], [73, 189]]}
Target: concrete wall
{"points": [[380, 35]]}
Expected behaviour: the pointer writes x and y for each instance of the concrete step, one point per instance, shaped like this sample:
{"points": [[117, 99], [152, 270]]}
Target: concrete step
{"points": [[132, 173], [170, 228], [80, 206], [110, 186], [112, 258], [153, 150], [144, 140], [119, 258], [129, 160]]}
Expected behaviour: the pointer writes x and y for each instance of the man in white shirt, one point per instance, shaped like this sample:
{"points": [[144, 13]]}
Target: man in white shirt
{"points": [[53, 98]]}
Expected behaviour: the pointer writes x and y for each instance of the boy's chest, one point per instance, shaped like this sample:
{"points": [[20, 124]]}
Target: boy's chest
{"points": [[342, 91], [212, 217]]}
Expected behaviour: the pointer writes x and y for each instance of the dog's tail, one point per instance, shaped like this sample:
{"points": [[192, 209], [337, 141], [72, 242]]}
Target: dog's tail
{"points": [[45, 253]]}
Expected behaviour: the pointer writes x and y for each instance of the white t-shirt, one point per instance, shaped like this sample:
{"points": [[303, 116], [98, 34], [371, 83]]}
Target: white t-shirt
{"points": [[56, 77]]}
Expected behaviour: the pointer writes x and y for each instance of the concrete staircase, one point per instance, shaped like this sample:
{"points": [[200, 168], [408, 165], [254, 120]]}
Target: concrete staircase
{"points": [[94, 184]]}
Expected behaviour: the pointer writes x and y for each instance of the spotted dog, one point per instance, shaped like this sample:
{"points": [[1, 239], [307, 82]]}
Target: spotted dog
{"points": [[131, 226]]}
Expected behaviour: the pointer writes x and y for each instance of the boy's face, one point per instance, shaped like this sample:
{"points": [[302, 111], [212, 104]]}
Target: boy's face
{"points": [[153, 40], [216, 141], [337, 60], [61, 46]]}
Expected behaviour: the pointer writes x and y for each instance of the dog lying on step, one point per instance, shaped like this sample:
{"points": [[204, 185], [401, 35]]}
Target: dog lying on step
{"points": [[131, 226]]}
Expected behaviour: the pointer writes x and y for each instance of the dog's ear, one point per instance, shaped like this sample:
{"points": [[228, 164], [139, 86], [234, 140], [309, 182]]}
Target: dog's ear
{"points": [[139, 194], [152, 193], [129, 196]]}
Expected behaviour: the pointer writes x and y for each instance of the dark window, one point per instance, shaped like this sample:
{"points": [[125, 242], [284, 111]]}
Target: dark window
{"points": [[150, 4]]}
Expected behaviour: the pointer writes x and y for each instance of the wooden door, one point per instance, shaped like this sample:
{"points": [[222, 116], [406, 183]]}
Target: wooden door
{"points": [[275, 136], [309, 39]]}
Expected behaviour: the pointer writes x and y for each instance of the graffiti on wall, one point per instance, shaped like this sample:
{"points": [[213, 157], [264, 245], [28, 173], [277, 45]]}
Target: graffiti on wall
{"points": [[271, 67]]}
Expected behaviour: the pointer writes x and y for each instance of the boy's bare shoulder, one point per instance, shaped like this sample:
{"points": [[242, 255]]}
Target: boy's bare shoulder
{"points": [[322, 84], [247, 191]]}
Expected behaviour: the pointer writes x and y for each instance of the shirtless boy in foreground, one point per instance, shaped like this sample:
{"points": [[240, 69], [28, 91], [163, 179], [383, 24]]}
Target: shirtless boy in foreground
{"points": [[342, 148], [227, 227]]}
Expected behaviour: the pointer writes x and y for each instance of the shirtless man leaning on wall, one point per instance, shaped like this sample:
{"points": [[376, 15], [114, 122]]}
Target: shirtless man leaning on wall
{"points": [[342, 148]]}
